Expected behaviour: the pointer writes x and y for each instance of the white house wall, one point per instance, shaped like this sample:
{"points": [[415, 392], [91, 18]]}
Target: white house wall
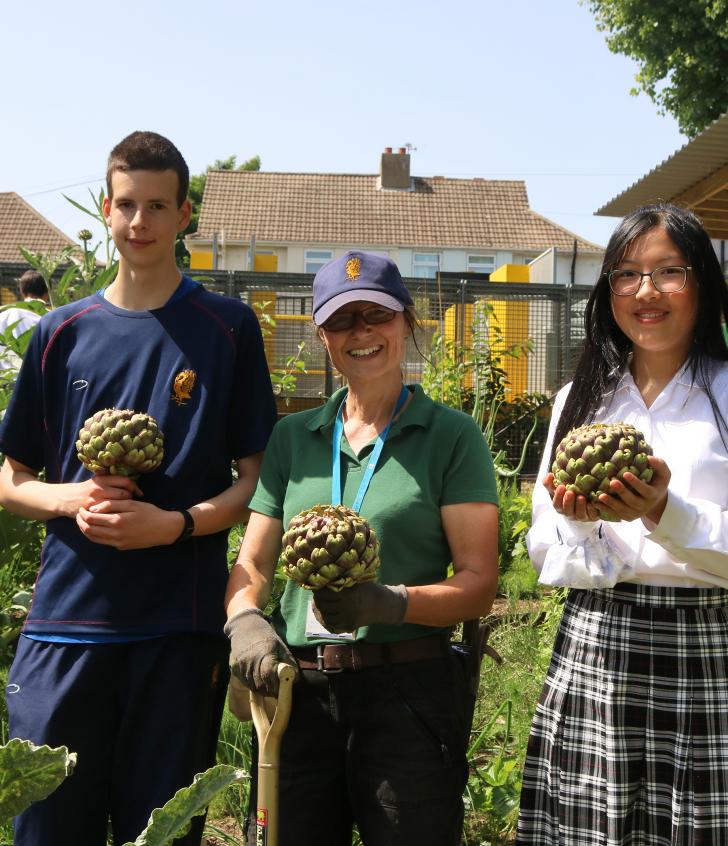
{"points": [[291, 260], [586, 270]]}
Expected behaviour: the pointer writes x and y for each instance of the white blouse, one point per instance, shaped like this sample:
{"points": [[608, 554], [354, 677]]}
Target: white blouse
{"points": [[689, 546]]}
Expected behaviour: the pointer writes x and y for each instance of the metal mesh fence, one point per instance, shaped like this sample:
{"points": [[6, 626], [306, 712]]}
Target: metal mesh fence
{"points": [[549, 316], [532, 332]]}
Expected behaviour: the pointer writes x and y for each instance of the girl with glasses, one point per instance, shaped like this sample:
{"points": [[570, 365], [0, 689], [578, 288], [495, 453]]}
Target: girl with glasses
{"points": [[382, 705], [629, 742]]}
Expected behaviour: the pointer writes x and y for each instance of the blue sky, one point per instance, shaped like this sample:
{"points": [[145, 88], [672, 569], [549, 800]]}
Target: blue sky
{"points": [[503, 90]]}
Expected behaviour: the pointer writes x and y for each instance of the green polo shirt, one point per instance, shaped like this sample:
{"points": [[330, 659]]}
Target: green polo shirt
{"points": [[433, 456]]}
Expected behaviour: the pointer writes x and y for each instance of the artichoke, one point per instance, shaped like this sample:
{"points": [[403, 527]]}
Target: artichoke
{"points": [[120, 443], [589, 457], [329, 546]]}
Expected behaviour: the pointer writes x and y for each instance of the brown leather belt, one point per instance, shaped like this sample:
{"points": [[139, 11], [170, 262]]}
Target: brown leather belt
{"points": [[335, 657]]}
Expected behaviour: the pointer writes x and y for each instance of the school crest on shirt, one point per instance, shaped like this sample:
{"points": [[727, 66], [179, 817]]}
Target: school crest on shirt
{"points": [[182, 386], [353, 269]]}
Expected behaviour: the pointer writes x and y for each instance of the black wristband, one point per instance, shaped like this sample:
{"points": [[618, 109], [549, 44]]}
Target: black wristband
{"points": [[188, 528]]}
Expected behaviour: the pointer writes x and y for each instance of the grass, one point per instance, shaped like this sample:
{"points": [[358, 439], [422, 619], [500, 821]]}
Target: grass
{"points": [[520, 581], [6, 831], [233, 747], [506, 702]]}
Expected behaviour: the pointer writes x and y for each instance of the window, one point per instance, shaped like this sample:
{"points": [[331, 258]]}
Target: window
{"points": [[481, 264], [425, 265], [523, 259], [289, 304], [314, 260]]}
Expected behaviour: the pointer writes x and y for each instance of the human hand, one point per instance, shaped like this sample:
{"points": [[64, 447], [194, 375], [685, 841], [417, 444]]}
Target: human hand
{"points": [[361, 605], [256, 650], [129, 524], [573, 506], [632, 499], [76, 495]]}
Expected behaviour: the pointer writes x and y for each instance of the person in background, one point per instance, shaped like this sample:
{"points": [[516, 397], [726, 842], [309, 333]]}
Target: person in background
{"points": [[123, 658], [32, 288], [629, 742], [380, 718]]}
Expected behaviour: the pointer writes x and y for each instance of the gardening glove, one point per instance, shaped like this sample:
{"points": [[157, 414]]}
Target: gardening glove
{"points": [[256, 650], [362, 605]]}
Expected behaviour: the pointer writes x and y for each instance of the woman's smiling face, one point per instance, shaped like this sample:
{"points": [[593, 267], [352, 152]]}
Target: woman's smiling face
{"points": [[367, 351], [655, 322]]}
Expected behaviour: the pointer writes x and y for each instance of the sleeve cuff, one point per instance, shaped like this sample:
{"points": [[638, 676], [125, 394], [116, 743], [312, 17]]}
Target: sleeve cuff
{"points": [[573, 532], [677, 524]]}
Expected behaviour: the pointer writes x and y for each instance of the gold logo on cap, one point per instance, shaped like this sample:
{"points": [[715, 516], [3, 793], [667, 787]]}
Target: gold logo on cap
{"points": [[353, 269]]}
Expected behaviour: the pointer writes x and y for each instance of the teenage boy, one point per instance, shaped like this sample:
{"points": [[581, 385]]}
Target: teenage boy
{"points": [[123, 658]]}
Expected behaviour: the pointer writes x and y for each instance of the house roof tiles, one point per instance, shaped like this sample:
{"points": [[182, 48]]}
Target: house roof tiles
{"points": [[22, 225], [347, 209]]}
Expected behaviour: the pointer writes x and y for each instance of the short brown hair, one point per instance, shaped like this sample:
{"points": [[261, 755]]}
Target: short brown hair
{"points": [[148, 151], [32, 284]]}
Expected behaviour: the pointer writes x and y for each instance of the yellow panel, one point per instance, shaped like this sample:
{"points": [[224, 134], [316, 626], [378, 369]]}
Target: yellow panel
{"points": [[7, 296], [265, 263], [453, 325], [264, 303], [513, 324], [453, 329], [511, 273], [512, 320], [200, 260]]}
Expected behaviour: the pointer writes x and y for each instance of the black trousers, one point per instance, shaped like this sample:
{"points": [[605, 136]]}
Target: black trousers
{"points": [[382, 747]]}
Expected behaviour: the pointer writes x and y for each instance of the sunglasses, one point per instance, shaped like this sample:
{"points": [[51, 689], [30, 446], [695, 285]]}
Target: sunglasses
{"points": [[342, 320]]}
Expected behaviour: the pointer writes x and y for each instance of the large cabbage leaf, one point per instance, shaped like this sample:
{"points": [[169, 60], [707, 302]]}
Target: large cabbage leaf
{"points": [[29, 773], [174, 819]]}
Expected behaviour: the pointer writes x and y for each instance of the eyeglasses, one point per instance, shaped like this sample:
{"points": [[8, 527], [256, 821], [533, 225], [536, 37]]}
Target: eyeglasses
{"points": [[666, 280], [341, 320]]}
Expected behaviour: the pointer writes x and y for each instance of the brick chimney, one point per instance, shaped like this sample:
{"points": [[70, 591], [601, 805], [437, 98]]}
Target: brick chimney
{"points": [[394, 172]]}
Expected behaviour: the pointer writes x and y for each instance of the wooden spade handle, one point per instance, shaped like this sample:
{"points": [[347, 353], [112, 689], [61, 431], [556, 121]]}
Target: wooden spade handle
{"points": [[270, 733]]}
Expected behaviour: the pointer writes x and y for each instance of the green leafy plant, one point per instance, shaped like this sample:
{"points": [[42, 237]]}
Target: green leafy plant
{"points": [[82, 274], [494, 783], [284, 379], [173, 820], [29, 773], [514, 521], [20, 545], [234, 749], [97, 213], [12, 351], [474, 378], [523, 635], [12, 618]]}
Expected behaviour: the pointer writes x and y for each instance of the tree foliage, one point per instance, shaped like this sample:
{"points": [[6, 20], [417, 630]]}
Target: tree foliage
{"points": [[197, 189], [682, 49]]}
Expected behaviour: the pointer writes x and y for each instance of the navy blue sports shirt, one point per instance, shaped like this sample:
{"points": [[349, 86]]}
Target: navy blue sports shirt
{"points": [[197, 365]]}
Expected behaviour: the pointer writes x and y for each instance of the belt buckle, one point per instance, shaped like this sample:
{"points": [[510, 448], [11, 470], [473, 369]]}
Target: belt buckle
{"points": [[320, 662]]}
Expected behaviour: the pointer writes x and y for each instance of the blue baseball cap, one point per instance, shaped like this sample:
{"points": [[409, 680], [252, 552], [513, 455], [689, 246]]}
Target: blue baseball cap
{"points": [[357, 276]]}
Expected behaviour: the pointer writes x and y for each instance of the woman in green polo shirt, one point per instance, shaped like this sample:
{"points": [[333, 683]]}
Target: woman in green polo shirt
{"points": [[380, 720]]}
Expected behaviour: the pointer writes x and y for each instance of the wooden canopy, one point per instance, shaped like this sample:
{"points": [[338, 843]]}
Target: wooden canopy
{"points": [[695, 177]]}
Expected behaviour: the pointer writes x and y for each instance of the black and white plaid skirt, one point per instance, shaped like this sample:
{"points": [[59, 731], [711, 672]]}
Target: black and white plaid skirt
{"points": [[629, 742]]}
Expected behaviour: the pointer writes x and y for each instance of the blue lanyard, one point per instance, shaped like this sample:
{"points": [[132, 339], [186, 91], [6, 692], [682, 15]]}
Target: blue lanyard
{"points": [[373, 458]]}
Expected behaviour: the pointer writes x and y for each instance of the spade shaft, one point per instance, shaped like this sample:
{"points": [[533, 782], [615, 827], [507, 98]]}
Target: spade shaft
{"points": [[269, 731]]}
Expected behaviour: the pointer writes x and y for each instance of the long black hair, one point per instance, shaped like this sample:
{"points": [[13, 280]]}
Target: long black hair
{"points": [[607, 348]]}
